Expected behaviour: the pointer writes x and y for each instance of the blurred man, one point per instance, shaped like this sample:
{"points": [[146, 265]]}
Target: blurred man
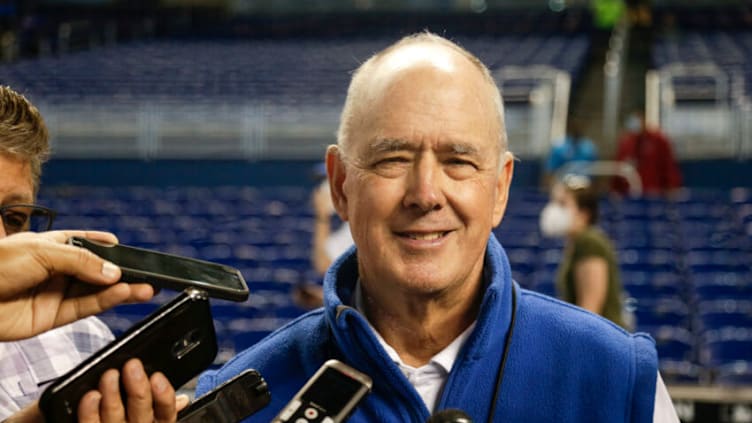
{"points": [[649, 151], [29, 365], [426, 305], [328, 244]]}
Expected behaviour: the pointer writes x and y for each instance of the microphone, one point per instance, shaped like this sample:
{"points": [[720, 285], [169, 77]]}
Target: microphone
{"points": [[450, 415], [330, 395], [231, 402]]}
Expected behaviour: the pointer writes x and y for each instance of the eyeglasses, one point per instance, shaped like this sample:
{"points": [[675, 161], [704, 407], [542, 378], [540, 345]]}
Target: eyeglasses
{"points": [[26, 217]]}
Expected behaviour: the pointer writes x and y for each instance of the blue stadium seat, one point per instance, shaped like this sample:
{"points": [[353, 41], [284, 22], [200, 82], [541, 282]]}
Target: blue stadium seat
{"points": [[734, 373], [725, 346], [672, 342], [661, 311], [720, 285], [233, 71]]}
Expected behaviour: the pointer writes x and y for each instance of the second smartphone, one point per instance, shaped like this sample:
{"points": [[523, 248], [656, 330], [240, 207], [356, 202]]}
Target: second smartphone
{"points": [[178, 340]]}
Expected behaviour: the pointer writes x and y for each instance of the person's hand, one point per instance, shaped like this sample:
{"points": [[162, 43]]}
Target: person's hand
{"points": [[29, 414], [148, 399], [40, 282]]}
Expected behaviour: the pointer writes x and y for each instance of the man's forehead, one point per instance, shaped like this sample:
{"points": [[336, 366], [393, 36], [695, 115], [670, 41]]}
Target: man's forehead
{"points": [[15, 180], [385, 145], [417, 60]]}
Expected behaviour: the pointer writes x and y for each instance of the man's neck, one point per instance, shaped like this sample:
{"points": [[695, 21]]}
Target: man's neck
{"points": [[420, 326]]}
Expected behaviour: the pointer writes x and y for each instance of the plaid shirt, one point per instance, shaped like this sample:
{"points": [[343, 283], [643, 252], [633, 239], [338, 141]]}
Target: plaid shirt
{"points": [[28, 366]]}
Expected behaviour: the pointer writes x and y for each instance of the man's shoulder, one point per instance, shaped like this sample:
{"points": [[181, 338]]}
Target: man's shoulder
{"points": [[575, 323], [588, 343], [580, 352], [301, 333]]}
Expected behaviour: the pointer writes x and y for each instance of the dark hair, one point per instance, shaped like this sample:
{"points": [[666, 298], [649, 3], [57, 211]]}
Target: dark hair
{"points": [[585, 196], [587, 200]]}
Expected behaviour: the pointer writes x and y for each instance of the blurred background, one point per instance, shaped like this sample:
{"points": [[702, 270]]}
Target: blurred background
{"points": [[194, 127]]}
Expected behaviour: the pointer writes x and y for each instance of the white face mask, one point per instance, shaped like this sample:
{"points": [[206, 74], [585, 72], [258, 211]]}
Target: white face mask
{"points": [[555, 220]]}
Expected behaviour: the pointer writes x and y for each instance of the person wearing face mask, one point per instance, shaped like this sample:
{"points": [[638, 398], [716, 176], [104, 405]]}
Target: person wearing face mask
{"points": [[649, 151], [588, 275]]}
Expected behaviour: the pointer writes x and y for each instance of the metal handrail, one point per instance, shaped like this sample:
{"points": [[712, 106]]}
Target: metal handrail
{"points": [[557, 80], [605, 168]]}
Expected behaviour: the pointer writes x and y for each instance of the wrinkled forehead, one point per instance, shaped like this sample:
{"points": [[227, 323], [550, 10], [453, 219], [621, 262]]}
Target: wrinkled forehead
{"points": [[426, 88], [413, 62]]}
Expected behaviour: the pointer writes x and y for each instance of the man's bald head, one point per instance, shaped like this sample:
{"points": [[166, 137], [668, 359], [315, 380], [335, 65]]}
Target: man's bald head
{"points": [[424, 50]]}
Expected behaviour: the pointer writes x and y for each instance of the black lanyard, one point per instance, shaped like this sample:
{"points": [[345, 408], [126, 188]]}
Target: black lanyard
{"points": [[504, 355]]}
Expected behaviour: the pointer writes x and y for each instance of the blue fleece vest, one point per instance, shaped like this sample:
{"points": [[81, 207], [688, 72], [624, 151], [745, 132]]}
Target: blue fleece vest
{"points": [[564, 363]]}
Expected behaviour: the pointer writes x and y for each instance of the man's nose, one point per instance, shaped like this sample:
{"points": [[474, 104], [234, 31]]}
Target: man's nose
{"points": [[424, 190]]}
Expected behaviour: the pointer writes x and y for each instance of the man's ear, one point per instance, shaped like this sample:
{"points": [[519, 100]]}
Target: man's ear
{"points": [[335, 170], [503, 182]]}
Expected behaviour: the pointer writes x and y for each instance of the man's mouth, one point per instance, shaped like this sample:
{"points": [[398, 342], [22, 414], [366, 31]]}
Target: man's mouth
{"points": [[425, 236]]}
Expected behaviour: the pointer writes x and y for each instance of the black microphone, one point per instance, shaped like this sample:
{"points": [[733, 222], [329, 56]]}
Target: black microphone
{"points": [[450, 415], [231, 402], [330, 395]]}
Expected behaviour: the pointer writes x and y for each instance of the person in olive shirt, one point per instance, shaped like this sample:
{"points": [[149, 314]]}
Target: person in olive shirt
{"points": [[588, 275]]}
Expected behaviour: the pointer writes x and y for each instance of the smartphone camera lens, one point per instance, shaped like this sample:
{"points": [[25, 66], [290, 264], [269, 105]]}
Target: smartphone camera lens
{"points": [[186, 344]]}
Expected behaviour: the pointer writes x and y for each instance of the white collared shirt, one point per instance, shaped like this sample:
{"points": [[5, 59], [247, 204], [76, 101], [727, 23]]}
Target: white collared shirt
{"points": [[430, 378]]}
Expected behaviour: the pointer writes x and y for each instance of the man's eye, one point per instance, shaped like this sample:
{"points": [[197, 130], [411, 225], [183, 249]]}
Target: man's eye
{"points": [[15, 220], [461, 162], [392, 160]]}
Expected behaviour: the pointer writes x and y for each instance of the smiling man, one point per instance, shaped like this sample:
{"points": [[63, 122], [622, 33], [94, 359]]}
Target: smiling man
{"points": [[425, 303]]}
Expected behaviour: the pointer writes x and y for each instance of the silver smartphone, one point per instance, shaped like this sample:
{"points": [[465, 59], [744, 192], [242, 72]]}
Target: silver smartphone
{"points": [[330, 396], [170, 271]]}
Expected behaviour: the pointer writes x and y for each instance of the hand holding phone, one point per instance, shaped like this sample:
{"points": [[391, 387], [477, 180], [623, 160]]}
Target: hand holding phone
{"points": [[330, 396], [177, 340], [170, 271]]}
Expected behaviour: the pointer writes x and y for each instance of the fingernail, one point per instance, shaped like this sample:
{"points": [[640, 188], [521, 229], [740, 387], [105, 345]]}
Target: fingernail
{"points": [[94, 400], [109, 270], [181, 401]]}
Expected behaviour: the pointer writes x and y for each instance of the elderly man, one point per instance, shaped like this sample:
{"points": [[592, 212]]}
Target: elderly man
{"points": [[425, 303], [43, 300]]}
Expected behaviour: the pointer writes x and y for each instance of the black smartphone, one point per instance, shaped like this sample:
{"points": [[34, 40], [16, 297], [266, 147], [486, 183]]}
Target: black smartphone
{"points": [[330, 396], [170, 271], [178, 340], [230, 402]]}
